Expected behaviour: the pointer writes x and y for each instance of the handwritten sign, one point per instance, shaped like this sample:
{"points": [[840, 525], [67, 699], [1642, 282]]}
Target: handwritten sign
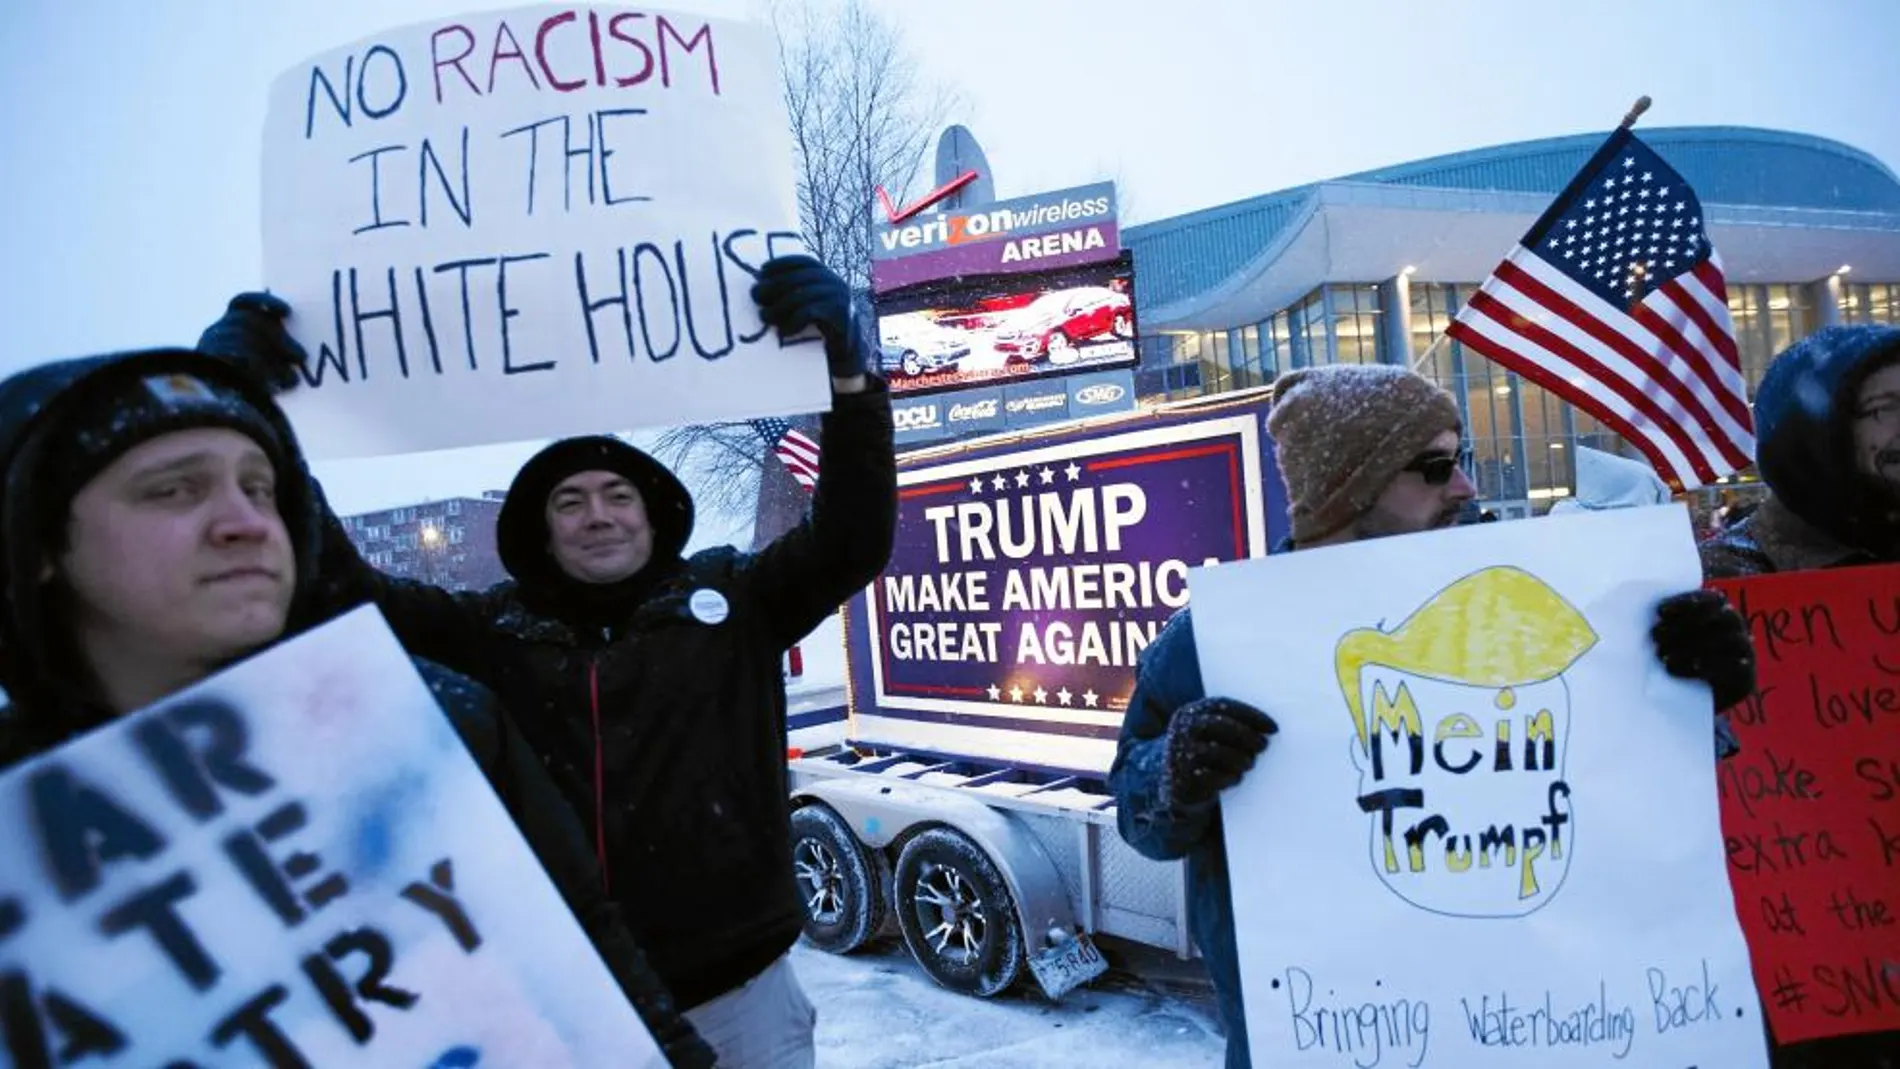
{"points": [[1811, 804], [530, 223], [1486, 834], [294, 863]]}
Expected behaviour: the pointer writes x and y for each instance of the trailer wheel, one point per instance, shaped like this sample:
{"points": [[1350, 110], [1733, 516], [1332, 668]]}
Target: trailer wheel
{"points": [[840, 886], [957, 915]]}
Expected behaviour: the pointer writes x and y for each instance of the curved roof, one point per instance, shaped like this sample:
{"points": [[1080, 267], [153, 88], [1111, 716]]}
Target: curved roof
{"points": [[1727, 165]]}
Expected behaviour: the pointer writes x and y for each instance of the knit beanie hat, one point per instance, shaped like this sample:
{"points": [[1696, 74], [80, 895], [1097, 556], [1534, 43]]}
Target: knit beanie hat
{"points": [[1343, 432], [123, 409]]}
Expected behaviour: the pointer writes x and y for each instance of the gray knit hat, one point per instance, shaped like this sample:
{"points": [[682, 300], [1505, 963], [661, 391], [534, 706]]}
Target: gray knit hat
{"points": [[1344, 431]]}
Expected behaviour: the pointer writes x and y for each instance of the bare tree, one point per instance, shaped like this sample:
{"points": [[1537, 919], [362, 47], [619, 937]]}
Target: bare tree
{"points": [[859, 120]]}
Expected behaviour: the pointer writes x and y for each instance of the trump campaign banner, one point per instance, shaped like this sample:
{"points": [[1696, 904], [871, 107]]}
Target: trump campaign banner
{"points": [[1028, 575]]}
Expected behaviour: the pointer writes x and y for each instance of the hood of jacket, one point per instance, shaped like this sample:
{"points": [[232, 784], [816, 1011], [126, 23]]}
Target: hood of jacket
{"points": [[1607, 481], [36, 669], [1804, 434], [521, 530]]}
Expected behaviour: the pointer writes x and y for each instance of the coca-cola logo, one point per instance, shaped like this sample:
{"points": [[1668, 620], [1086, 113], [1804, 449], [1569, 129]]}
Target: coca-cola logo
{"points": [[974, 410], [1102, 393], [916, 417]]}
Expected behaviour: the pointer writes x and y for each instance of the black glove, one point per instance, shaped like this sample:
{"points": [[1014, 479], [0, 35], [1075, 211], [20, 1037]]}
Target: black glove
{"points": [[1211, 744], [794, 292], [1698, 636], [252, 336]]}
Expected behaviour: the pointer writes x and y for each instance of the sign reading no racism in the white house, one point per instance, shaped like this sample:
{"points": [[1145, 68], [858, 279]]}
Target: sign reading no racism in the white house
{"points": [[531, 223], [295, 863]]}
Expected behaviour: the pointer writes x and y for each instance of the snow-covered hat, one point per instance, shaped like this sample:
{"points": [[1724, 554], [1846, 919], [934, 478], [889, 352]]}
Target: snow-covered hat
{"points": [[1344, 431]]}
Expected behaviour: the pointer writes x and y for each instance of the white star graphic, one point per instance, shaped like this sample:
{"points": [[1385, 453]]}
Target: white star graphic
{"points": [[1042, 696], [1640, 208], [1599, 274], [1568, 253], [1643, 194], [1669, 263], [1553, 243], [1064, 696], [1572, 224], [999, 482], [1682, 205], [1620, 227], [1653, 249], [1695, 222], [1571, 240], [1647, 176], [1609, 183], [1626, 181], [1016, 694], [1628, 162], [1022, 479], [976, 486], [996, 692], [1048, 476], [1589, 204], [1089, 698], [1662, 191], [1676, 223], [1073, 471]]}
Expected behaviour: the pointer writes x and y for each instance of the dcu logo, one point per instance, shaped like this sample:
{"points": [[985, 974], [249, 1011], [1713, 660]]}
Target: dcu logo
{"points": [[1104, 393], [916, 418]]}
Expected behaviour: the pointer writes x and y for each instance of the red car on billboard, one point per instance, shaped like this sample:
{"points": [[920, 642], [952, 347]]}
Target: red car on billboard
{"points": [[1055, 324]]}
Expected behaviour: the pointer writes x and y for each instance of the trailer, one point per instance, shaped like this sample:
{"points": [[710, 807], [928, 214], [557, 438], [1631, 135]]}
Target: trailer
{"points": [[958, 793]]}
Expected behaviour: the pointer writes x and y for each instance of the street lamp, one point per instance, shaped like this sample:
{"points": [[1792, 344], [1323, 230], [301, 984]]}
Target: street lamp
{"points": [[431, 540]]}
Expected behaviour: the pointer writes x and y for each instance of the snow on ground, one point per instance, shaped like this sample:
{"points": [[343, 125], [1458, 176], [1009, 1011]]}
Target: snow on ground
{"points": [[878, 1010]]}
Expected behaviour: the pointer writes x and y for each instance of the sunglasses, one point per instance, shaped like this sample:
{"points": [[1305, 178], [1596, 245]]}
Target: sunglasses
{"points": [[1437, 468]]}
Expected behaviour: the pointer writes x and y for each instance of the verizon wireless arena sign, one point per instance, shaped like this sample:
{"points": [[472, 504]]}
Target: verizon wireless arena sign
{"points": [[1048, 230]]}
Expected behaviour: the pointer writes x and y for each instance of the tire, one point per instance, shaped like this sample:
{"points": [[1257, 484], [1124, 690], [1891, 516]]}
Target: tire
{"points": [[1062, 351], [842, 889], [912, 366], [957, 915]]}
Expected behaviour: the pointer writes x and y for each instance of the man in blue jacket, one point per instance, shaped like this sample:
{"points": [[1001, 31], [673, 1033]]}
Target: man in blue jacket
{"points": [[1366, 451]]}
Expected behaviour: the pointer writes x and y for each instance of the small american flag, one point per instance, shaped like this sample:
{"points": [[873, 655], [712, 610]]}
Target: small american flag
{"points": [[1615, 301], [793, 448]]}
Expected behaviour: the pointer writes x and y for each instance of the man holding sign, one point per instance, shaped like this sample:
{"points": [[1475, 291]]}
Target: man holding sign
{"points": [[650, 683], [158, 525], [1367, 451]]}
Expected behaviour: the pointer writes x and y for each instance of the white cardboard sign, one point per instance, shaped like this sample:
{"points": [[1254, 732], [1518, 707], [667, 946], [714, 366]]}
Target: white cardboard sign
{"points": [[532, 223], [294, 863], [1486, 834]]}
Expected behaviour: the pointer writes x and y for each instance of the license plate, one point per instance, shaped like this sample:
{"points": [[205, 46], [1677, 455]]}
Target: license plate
{"points": [[1067, 966]]}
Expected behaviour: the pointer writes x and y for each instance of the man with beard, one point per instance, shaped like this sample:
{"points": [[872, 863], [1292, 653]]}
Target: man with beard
{"points": [[1827, 432], [1827, 428], [1366, 451]]}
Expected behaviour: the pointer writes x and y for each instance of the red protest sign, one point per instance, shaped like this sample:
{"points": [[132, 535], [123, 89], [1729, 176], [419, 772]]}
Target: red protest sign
{"points": [[1811, 804]]}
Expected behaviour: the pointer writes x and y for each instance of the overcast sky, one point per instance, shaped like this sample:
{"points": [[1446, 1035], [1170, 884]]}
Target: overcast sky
{"points": [[129, 137]]}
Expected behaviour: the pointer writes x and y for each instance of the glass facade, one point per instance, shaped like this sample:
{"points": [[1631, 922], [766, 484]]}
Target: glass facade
{"points": [[1523, 439], [1877, 302]]}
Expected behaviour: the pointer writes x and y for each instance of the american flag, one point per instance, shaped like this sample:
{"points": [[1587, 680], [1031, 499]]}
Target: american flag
{"points": [[1615, 301], [793, 448]]}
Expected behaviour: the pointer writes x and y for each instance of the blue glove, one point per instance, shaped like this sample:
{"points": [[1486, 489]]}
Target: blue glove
{"points": [[794, 292], [252, 335]]}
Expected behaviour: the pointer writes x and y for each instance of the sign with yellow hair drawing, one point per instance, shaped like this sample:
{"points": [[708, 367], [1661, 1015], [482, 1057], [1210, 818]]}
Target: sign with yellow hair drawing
{"points": [[1488, 809]]}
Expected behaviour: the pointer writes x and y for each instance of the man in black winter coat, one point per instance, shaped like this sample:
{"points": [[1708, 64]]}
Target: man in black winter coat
{"points": [[157, 525], [649, 683]]}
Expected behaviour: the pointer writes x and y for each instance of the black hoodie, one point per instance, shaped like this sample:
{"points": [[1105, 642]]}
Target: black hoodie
{"points": [[50, 702], [659, 702], [1824, 513]]}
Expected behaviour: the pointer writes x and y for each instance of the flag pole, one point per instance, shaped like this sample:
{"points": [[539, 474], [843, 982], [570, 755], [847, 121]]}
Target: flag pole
{"points": [[1629, 120]]}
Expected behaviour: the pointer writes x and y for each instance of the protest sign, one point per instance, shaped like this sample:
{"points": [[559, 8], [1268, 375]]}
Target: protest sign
{"points": [[1811, 803], [530, 223], [295, 863], [1025, 580], [1486, 833]]}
